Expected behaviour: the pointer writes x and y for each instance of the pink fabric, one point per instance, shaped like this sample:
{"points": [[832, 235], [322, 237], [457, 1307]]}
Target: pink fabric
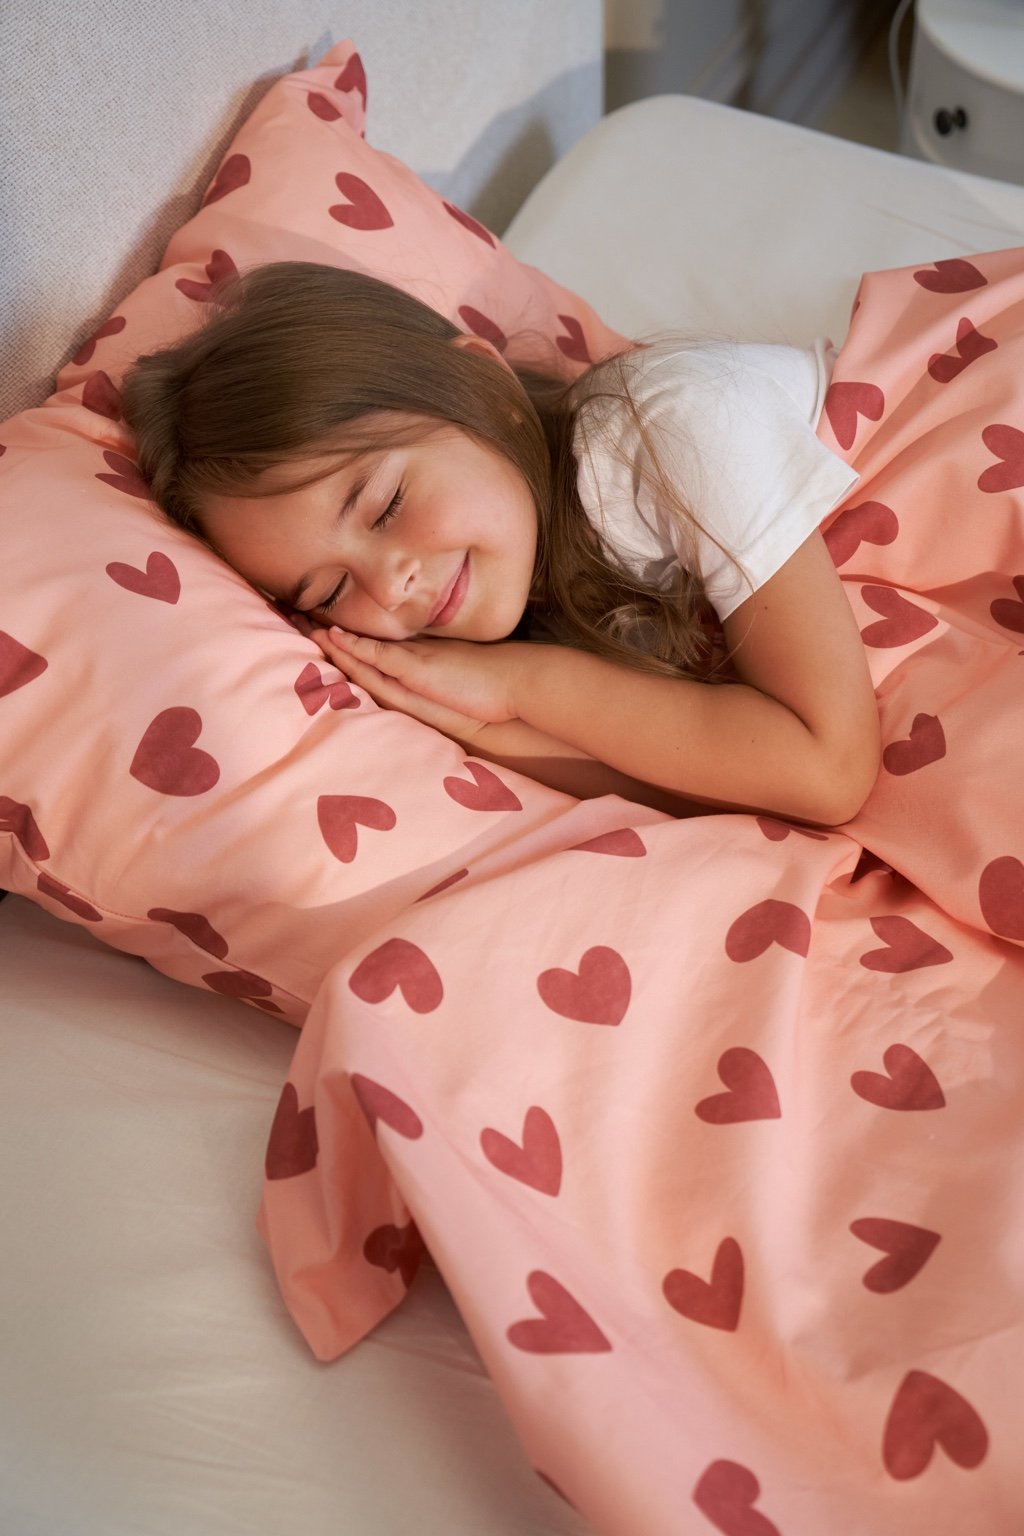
{"points": [[714, 1127]]}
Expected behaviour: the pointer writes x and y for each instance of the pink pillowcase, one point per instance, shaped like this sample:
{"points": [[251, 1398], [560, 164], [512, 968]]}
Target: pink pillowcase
{"points": [[179, 769]]}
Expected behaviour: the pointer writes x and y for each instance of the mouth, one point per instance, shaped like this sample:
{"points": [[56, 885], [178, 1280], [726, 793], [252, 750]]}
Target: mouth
{"points": [[451, 598]]}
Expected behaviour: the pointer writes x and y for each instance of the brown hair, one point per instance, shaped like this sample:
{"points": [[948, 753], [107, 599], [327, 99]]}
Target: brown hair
{"points": [[299, 360]]}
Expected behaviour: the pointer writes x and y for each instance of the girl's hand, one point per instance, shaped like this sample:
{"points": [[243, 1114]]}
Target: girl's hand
{"points": [[456, 686]]}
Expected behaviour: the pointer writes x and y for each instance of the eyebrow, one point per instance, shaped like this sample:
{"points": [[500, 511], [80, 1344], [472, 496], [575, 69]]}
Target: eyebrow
{"points": [[291, 599]]}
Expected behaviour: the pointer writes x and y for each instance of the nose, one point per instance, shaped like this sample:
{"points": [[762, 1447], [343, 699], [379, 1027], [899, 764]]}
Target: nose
{"points": [[390, 582]]}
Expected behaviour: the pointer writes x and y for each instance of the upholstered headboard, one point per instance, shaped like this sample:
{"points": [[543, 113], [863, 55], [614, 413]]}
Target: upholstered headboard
{"points": [[117, 113]]}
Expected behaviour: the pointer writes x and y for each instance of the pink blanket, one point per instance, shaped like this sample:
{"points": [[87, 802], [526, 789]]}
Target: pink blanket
{"points": [[715, 1128]]}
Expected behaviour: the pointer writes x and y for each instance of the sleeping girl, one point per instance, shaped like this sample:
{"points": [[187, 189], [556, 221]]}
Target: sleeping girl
{"points": [[436, 518]]}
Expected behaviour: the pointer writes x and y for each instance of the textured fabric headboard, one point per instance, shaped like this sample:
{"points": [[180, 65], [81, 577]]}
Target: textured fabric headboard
{"points": [[116, 113]]}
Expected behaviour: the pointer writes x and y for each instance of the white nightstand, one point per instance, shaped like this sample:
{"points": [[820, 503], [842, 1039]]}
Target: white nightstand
{"points": [[965, 101]]}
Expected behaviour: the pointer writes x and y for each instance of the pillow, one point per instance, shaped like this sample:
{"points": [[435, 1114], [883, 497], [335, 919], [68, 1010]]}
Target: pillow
{"points": [[180, 770]]}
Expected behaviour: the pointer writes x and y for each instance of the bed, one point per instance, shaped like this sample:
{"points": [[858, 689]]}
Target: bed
{"points": [[153, 1379]]}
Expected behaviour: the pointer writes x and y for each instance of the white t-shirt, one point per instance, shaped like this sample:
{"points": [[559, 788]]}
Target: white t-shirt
{"points": [[733, 429]]}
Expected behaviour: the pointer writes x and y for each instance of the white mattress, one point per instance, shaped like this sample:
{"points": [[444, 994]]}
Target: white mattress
{"points": [[152, 1383]]}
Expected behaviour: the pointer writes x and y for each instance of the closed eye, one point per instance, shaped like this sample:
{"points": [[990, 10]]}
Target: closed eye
{"points": [[391, 510]]}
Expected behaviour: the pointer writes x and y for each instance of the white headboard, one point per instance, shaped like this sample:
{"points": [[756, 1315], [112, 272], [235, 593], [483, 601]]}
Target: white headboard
{"points": [[117, 113]]}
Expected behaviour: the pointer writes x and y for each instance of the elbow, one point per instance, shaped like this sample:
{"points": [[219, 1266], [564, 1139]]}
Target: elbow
{"points": [[847, 779]]}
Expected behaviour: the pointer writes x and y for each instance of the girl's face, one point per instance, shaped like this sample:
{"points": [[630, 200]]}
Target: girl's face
{"points": [[436, 535]]}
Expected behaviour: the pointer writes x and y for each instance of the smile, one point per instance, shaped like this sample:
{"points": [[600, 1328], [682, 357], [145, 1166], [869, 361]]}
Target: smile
{"points": [[451, 601]]}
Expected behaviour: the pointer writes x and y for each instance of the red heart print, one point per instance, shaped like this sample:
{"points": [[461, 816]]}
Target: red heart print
{"points": [[353, 77], [565, 1328], [970, 345], [925, 744], [364, 209], [927, 1412], [194, 927], [167, 758], [238, 983], [483, 325], [293, 1147], [219, 268], [315, 693], [234, 173], [903, 621], [1001, 896], [1009, 613], [390, 1247], [111, 327], [726, 1495], [769, 922], [537, 1161], [323, 107], [844, 402], [908, 1250], [872, 522], [340, 816], [953, 275], [909, 948], [18, 665], [910, 1085], [1007, 443], [486, 793], [379, 1103], [598, 993], [751, 1095], [397, 963], [76, 904], [443, 885], [624, 844], [126, 477], [716, 1302], [19, 820], [467, 222], [160, 579], [100, 396], [777, 831], [573, 344]]}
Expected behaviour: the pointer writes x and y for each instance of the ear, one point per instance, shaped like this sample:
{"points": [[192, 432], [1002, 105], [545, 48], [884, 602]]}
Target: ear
{"points": [[482, 347]]}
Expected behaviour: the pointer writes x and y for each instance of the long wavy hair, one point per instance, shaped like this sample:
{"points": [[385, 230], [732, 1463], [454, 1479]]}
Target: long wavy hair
{"points": [[300, 360]]}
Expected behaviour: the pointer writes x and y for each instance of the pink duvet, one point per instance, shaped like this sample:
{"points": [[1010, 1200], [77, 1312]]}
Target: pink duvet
{"points": [[715, 1128]]}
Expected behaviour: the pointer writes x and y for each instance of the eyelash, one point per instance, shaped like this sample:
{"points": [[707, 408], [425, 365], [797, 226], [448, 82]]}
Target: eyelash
{"points": [[390, 511]]}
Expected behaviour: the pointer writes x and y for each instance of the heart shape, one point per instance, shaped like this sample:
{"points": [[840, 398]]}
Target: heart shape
{"points": [[910, 1085], [564, 1328], [573, 344], [167, 759], [716, 1302], [379, 1103], [598, 993], [751, 1095], [624, 844], [970, 345], [390, 1247], [845, 401], [769, 922], [1007, 443], [238, 983], [1001, 896], [537, 1161], [872, 522], [18, 665], [322, 107], [194, 927], [908, 1248], [76, 904], [953, 275], [927, 1412], [100, 395], [292, 1147], [126, 477], [925, 744], [364, 209], [315, 693], [340, 816], [726, 1495], [353, 78], [486, 793], [19, 820], [160, 579], [1009, 613], [909, 948], [234, 173], [219, 268], [397, 963], [902, 623], [111, 327], [463, 218], [777, 831], [483, 325]]}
